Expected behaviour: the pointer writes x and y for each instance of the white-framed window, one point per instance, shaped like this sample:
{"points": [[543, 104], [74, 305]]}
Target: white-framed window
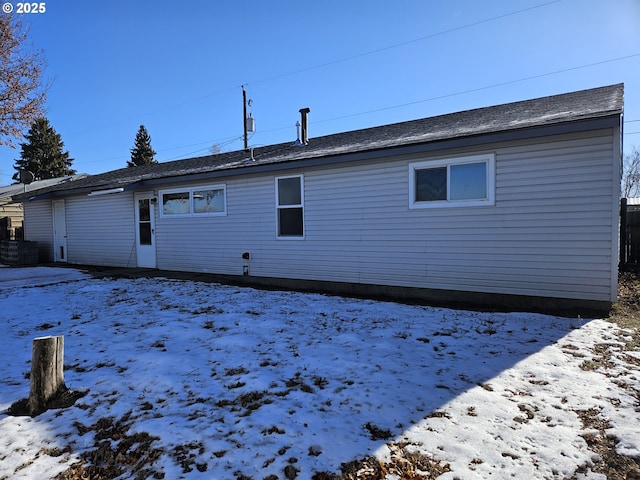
{"points": [[452, 182], [290, 207], [207, 200]]}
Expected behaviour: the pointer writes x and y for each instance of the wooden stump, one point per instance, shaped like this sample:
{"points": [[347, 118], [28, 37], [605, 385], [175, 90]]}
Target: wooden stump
{"points": [[47, 373]]}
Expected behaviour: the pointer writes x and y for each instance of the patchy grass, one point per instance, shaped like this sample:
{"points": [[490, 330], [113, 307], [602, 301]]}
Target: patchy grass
{"points": [[626, 311], [119, 450]]}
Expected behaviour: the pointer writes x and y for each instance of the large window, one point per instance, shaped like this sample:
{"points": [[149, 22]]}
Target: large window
{"points": [[193, 201], [290, 207], [463, 181]]}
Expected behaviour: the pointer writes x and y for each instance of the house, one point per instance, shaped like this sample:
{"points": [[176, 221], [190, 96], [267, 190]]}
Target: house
{"points": [[514, 205], [11, 213]]}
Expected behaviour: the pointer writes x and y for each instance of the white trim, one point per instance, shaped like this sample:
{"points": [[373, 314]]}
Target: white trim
{"points": [[105, 192], [59, 218], [615, 209], [279, 207], [146, 254], [490, 162], [190, 191]]}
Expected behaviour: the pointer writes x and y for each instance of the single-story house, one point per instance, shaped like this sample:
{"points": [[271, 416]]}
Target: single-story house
{"points": [[514, 206], [11, 212]]}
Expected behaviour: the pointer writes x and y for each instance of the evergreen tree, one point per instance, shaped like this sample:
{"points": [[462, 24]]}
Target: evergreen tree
{"points": [[142, 153], [42, 154]]}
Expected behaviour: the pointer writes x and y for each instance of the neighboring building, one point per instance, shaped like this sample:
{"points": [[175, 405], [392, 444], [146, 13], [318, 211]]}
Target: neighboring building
{"points": [[11, 212], [510, 205]]}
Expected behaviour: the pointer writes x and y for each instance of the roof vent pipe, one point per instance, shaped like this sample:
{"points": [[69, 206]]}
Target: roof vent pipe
{"points": [[304, 139]]}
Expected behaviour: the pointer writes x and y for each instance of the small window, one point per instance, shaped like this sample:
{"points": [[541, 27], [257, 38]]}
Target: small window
{"points": [[196, 201], [290, 208], [465, 181], [175, 203], [208, 201]]}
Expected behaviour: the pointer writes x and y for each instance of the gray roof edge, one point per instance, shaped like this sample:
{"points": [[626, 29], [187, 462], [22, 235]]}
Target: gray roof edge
{"points": [[599, 107], [79, 191], [609, 121]]}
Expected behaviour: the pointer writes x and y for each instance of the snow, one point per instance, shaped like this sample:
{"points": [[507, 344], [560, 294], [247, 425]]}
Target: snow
{"points": [[249, 381]]}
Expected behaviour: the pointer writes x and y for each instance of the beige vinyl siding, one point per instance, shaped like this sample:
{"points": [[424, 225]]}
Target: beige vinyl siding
{"points": [[14, 212], [100, 230], [549, 233], [215, 243], [38, 227], [549, 249]]}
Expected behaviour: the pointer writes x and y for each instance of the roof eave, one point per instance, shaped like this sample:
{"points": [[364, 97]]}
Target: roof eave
{"points": [[470, 139], [85, 191], [575, 126]]}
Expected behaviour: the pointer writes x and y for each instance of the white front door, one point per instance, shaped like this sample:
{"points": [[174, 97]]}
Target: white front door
{"points": [[59, 232], [145, 230]]}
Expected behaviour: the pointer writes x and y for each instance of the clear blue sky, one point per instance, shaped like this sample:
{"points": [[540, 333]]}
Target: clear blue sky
{"points": [[177, 66]]}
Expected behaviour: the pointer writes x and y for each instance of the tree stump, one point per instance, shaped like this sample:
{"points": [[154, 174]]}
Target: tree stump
{"points": [[47, 373]]}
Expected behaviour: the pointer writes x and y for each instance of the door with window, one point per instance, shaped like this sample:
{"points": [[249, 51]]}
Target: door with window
{"points": [[145, 229], [59, 231]]}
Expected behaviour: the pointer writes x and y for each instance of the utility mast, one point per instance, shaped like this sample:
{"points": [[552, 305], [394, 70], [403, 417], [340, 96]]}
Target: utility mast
{"points": [[247, 121]]}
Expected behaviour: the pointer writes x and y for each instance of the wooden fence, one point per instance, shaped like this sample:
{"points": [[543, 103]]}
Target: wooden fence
{"points": [[629, 234]]}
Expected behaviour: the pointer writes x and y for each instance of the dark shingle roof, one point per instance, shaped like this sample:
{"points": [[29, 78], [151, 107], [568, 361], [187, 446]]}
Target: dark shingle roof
{"points": [[546, 111], [17, 188]]}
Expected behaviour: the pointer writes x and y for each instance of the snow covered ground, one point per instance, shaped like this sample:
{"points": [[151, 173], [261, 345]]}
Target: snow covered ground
{"points": [[200, 380]]}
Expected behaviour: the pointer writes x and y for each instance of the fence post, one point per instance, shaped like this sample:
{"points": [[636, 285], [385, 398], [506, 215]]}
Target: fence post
{"points": [[623, 231], [47, 373]]}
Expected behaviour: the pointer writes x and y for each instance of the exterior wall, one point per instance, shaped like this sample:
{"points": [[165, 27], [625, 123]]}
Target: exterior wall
{"points": [[215, 244], [101, 230], [38, 227], [551, 232]]}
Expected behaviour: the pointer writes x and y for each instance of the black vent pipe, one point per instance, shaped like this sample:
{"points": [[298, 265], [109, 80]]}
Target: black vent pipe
{"points": [[304, 137]]}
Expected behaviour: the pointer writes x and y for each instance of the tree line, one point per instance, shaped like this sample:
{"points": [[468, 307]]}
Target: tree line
{"points": [[43, 154]]}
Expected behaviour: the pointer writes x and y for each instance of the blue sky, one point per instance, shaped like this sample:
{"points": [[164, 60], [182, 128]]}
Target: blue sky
{"points": [[178, 67]]}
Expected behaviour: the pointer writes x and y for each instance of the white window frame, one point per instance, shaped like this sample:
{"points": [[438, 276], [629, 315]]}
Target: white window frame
{"points": [[190, 191], [488, 159], [280, 207]]}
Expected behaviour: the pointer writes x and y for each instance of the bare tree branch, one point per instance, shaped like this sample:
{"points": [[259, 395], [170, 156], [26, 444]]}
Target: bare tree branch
{"points": [[22, 91], [630, 187]]}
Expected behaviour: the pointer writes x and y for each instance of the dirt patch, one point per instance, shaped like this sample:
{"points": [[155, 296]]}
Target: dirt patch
{"points": [[64, 399], [405, 464], [186, 456], [626, 314], [626, 311], [117, 452], [610, 463]]}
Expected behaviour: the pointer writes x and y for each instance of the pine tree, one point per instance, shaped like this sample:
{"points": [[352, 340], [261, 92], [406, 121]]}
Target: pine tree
{"points": [[142, 153], [42, 154]]}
